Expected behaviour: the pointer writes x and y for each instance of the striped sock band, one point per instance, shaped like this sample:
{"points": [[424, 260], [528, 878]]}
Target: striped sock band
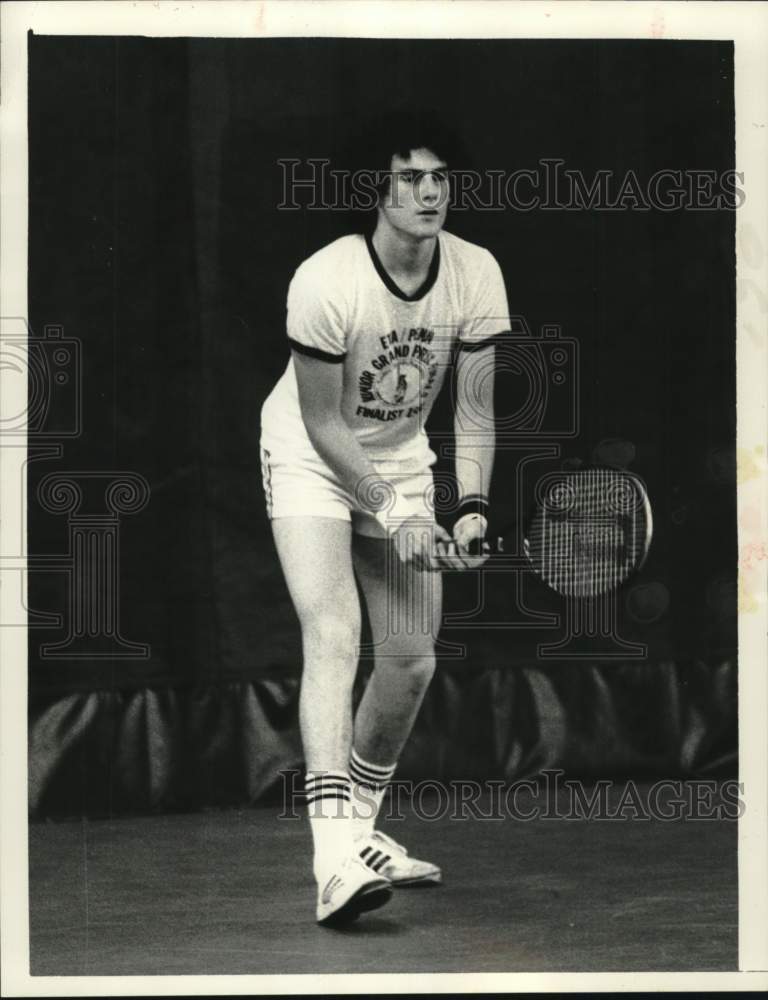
{"points": [[370, 775], [329, 807], [327, 792], [369, 784]]}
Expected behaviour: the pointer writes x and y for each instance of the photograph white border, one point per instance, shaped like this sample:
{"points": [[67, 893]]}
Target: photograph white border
{"points": [[747, 25]]}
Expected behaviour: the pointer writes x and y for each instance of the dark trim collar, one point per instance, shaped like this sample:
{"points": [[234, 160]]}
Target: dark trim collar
{"points": [[420, 292]]}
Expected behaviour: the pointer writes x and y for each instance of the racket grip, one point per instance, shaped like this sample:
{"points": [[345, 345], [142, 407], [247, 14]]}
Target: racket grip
{"points": [[475, 547]]}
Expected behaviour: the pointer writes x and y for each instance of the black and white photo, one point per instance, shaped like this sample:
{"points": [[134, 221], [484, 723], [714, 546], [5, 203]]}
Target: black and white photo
{"points": [[383, 557]]}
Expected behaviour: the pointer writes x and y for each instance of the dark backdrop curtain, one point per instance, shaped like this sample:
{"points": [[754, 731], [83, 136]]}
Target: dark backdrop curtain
{"points": [[156, 241]]}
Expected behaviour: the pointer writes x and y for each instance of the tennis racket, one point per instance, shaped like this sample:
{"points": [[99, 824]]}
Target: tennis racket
{"points": [[590, 530]]}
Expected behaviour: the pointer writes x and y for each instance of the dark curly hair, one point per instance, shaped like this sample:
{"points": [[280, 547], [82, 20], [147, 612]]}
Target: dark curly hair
{"points": [[397, 133]]}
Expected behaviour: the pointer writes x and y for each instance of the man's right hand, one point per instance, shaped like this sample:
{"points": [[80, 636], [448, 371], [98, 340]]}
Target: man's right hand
{"points": [[422, 544]]}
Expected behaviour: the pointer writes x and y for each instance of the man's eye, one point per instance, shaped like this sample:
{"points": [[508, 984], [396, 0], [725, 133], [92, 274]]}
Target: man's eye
{"points": [[417, 176]]}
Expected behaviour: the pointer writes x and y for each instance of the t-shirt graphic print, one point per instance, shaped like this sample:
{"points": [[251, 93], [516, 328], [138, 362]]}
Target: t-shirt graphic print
{"points": [[395, 348]]}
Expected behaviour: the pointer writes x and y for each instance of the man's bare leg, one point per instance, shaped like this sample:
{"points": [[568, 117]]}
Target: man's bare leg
{"points": [[317, 563], [405, 608]]}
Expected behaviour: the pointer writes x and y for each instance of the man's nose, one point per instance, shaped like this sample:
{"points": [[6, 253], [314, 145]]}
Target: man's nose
{"points": [[429, 189]]}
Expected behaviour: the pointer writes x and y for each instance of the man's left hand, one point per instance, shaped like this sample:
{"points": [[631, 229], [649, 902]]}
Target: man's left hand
{"points": [[457, 554]]}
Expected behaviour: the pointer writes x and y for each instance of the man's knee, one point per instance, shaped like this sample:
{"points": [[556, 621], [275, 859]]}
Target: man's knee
{"points": [[418, 664], [423, 666], [332, 637]]}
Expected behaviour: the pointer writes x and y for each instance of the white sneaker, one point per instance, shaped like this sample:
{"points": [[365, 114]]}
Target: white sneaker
{"points": [[386, 857], [351, 890]]}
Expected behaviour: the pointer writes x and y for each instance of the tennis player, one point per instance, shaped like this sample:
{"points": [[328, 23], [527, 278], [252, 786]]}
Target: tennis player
{"points": [[373, 322]]}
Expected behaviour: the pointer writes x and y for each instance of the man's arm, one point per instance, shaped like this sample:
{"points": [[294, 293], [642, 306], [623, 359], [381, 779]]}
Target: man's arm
{"points": [[320, 386], [320, 389], [475, 437]]}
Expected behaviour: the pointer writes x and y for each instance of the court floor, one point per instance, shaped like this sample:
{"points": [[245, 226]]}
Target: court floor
{"points": [[230, 892]]}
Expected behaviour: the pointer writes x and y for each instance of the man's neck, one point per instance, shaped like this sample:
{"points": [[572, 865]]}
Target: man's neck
{"points": [[400, 253]]}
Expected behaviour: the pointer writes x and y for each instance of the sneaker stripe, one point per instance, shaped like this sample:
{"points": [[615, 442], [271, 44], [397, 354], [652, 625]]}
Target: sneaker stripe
{"points": [[331, 886], [390, 860]]}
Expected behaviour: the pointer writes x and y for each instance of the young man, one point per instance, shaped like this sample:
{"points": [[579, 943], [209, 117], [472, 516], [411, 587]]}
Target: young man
{"points": [[372, 324]]}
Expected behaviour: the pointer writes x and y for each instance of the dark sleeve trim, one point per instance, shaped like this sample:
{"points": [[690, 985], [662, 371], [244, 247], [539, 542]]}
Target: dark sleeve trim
{"points": [[470, 346], [315, 352]]}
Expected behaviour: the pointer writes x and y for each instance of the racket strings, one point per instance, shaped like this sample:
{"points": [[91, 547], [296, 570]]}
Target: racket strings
{"points": [[590, 532]]}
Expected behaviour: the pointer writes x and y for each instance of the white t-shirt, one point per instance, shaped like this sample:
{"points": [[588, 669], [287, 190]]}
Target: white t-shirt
{"points": [[395, 349]]}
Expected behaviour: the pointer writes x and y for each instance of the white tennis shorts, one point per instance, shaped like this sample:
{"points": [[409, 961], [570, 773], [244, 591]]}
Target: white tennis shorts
{"points": [[302, 485]]}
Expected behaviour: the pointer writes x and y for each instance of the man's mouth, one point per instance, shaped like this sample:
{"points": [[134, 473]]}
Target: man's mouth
{"points": [[429, 211]]}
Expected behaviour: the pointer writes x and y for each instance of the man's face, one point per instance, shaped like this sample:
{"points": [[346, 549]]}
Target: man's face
{"points": [[417, 200]]}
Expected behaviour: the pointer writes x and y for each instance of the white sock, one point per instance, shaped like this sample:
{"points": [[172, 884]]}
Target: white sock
{"points": [[329, 808], [369, 783]]}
